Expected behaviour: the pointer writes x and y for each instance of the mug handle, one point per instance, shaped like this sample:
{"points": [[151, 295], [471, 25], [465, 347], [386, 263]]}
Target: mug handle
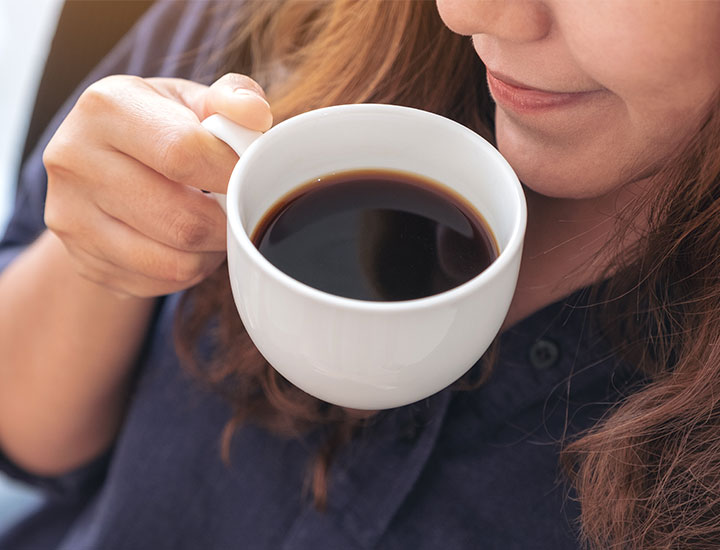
{"points": [[237, 137]]}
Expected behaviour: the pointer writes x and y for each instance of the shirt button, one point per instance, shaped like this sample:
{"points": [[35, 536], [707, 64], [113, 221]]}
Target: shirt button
{"points": [[412, 426], [410, 432], [544, 353]]}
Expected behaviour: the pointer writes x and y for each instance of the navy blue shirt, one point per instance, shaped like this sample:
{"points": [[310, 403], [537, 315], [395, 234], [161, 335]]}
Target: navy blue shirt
{"points": [[461, 470]]}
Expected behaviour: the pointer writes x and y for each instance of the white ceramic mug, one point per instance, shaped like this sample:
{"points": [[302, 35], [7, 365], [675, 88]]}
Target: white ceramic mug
{"points": [[354, 353]]}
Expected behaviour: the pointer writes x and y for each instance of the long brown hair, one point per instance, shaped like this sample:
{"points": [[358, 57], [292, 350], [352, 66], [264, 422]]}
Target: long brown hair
{"points": [[648, 475]]}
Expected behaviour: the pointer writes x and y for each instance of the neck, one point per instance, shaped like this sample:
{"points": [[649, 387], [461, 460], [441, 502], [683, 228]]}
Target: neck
{"points": [[566, 247]]}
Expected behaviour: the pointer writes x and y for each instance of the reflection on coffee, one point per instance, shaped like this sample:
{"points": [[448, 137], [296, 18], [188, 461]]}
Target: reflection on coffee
{"points": [[376, 235]]}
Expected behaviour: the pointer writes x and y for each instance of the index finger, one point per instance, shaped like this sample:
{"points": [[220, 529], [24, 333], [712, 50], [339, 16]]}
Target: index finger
{"points": [[164, 135], [235, 96]]}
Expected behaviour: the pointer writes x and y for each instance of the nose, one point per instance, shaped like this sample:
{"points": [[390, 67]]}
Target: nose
{"points": [[509, 20]]}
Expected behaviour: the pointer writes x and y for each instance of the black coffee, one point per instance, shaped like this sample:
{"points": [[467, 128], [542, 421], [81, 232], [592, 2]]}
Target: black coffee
{"points": [[376, 235]]}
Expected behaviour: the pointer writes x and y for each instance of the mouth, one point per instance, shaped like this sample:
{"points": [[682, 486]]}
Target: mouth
{"points": [[526, 99]]}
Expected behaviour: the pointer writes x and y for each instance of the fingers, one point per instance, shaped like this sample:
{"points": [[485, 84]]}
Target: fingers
{"points": [[125, 170], [127, 262], [240, 99], [120, 281], [180, 217], [131, 117], [167, 135], [235, 96]]}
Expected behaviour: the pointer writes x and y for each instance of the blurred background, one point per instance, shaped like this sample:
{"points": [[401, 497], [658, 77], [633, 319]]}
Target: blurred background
{"points": [[26, 31], [46, 48]]}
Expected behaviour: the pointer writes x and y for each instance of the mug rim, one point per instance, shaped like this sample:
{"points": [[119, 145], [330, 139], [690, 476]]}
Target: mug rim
{"points": [[495, 269]]}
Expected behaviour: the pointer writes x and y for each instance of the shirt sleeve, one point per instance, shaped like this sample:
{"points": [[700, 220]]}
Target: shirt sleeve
{"points": [[173, 38]]}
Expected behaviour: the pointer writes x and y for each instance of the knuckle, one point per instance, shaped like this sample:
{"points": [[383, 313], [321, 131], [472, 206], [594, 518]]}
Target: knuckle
{"points": [[189, 231], [67, 150], [90, 273], [51, 218], [60, 155], [92, 98], [105, 92], [96, 96], [55, 216], [188, 269], [184, 268], [178, 152], [52, 156]]}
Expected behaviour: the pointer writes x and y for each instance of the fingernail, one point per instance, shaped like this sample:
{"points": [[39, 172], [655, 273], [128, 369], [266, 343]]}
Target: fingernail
{"points": [[250, 93]]}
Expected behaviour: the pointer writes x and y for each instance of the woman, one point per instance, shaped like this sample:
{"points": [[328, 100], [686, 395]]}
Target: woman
{"points": [[608, 111]]}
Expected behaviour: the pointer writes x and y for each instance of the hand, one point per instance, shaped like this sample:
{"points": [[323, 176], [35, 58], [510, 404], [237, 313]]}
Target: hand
{"points": [[125, 174]]}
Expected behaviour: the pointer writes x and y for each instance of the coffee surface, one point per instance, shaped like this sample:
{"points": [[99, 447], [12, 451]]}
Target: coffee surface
{"points": [[376, 235]]}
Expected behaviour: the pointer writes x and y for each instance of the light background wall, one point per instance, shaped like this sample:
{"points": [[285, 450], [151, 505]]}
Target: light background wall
{"points": [[26, 29]]}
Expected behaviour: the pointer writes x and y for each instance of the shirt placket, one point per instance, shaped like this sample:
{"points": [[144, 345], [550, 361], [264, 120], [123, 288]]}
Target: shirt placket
{"points": [[371, 480]]}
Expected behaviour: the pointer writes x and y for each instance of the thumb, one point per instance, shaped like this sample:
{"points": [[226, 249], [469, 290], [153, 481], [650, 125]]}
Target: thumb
{"points": [[240, 99]]}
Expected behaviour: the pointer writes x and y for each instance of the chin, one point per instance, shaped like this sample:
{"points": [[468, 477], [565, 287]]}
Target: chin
{"points": [[557, 171], [556, 183]]}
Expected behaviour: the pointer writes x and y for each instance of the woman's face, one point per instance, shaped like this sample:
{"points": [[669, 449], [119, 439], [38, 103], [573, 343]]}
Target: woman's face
{"points": [[592, 94]]}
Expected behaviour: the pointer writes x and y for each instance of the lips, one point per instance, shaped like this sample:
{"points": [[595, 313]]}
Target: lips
{"points": [[523, 99]]}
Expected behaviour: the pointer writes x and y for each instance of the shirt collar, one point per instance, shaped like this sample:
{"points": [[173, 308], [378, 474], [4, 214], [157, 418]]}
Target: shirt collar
{"points": [[370, 482], [558, 350]]}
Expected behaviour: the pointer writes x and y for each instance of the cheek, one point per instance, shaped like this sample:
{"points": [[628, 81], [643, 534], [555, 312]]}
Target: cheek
{"points": [[582, 162], [660, 71], [650, 56], [455, 15], [609, 149]]}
